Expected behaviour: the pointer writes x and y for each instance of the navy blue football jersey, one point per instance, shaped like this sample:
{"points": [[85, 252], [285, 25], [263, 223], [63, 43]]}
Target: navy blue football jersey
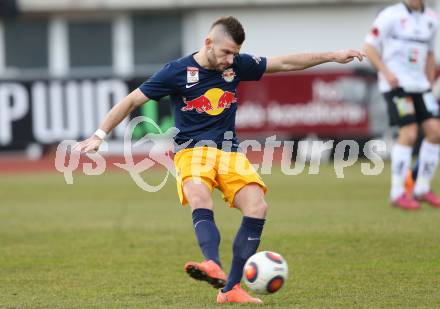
{"points": [[204, 101]]}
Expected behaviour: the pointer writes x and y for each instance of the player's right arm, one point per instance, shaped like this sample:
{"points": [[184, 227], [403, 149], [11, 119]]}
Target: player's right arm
{"points": [[112, 119], [374, 42], [159, 85], [376, 60]]}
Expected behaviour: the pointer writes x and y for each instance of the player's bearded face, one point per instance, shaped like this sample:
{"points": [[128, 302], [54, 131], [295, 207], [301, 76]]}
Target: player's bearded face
{"points": [[221, 54]]}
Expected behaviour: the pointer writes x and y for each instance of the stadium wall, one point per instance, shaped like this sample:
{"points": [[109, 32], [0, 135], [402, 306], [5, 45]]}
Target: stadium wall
{"points": [[277, 30], [323, 24], [272, 28], [293, 26]]}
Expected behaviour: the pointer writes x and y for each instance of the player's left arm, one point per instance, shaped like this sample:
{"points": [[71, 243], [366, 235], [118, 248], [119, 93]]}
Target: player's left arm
{"points": [[296, 62], [431, 67]]}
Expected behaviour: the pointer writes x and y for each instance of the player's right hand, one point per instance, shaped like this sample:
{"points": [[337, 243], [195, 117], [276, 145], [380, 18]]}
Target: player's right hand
{"points": [[391, 79], [88, 145]]}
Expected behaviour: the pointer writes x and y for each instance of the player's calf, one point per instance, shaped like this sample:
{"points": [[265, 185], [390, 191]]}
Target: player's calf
{"points": [[245, 245]]}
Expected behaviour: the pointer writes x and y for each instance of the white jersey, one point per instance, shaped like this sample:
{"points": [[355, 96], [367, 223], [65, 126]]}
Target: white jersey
{"points": [[403, 38]]}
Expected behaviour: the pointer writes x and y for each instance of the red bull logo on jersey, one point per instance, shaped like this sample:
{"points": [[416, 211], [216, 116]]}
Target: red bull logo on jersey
{"points": [[213, 102]]}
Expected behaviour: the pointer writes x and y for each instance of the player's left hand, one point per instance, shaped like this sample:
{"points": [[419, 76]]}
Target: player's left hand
{"points": [[347, 55]]}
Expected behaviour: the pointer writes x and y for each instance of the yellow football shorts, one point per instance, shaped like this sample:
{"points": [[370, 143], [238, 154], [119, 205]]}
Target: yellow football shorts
{"points": [[227, 171]]}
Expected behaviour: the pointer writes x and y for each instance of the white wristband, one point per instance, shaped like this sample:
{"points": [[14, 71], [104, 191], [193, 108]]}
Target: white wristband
{"points": [[100, 133]]}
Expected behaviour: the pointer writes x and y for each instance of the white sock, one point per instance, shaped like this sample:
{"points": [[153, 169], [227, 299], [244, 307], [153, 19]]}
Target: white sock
{"points": [[428, 162], [400, 163]]}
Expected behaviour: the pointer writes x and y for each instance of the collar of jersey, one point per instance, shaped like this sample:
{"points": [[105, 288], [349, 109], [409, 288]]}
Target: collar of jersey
{"points": [[410, 10]]}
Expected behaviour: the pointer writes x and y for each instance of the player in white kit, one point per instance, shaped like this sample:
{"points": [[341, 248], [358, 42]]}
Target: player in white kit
{"points": [[400, 45]]}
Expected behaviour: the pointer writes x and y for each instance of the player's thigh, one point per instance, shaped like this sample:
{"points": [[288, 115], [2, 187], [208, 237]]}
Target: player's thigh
{"points": [[198, 193], [250, 200], [195, 177], [234, 172], [408, 134], [431, 128], [400, 106]]}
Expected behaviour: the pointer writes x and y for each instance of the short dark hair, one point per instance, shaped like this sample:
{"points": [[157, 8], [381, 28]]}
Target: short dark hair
{"points": [[232, 27]]}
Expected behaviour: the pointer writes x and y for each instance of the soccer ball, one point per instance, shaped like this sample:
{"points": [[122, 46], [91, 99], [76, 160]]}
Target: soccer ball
{"points": [[265, 272]]}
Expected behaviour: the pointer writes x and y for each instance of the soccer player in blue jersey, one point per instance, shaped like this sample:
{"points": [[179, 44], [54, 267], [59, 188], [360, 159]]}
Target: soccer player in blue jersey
{"points": [[202, 87]]}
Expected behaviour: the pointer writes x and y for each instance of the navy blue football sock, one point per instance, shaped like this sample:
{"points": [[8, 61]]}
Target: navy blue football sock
{"points": [[207, 233], [415, 170], [245, 245]]}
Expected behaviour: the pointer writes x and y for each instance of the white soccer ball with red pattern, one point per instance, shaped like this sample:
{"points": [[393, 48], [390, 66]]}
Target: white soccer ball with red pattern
{"points": [[265, 272]]}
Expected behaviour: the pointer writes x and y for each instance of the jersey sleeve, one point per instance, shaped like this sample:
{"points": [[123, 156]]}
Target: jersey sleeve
{"points": [[381, 29], [161, 84], [250, 67]]}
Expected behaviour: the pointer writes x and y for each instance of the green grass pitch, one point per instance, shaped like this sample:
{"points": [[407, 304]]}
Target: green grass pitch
{"points": [[104, 243]]}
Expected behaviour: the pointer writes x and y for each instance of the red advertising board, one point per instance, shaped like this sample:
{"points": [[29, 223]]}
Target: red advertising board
{"points": [[324, 103]]}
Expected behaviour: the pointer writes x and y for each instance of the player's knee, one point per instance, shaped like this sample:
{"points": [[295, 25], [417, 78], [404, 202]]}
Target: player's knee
{"points": [[434, 139], [433, 136], [412, 138], [262, 208], [258, 209], [197, 200], [408, 136], [200, 201]]}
